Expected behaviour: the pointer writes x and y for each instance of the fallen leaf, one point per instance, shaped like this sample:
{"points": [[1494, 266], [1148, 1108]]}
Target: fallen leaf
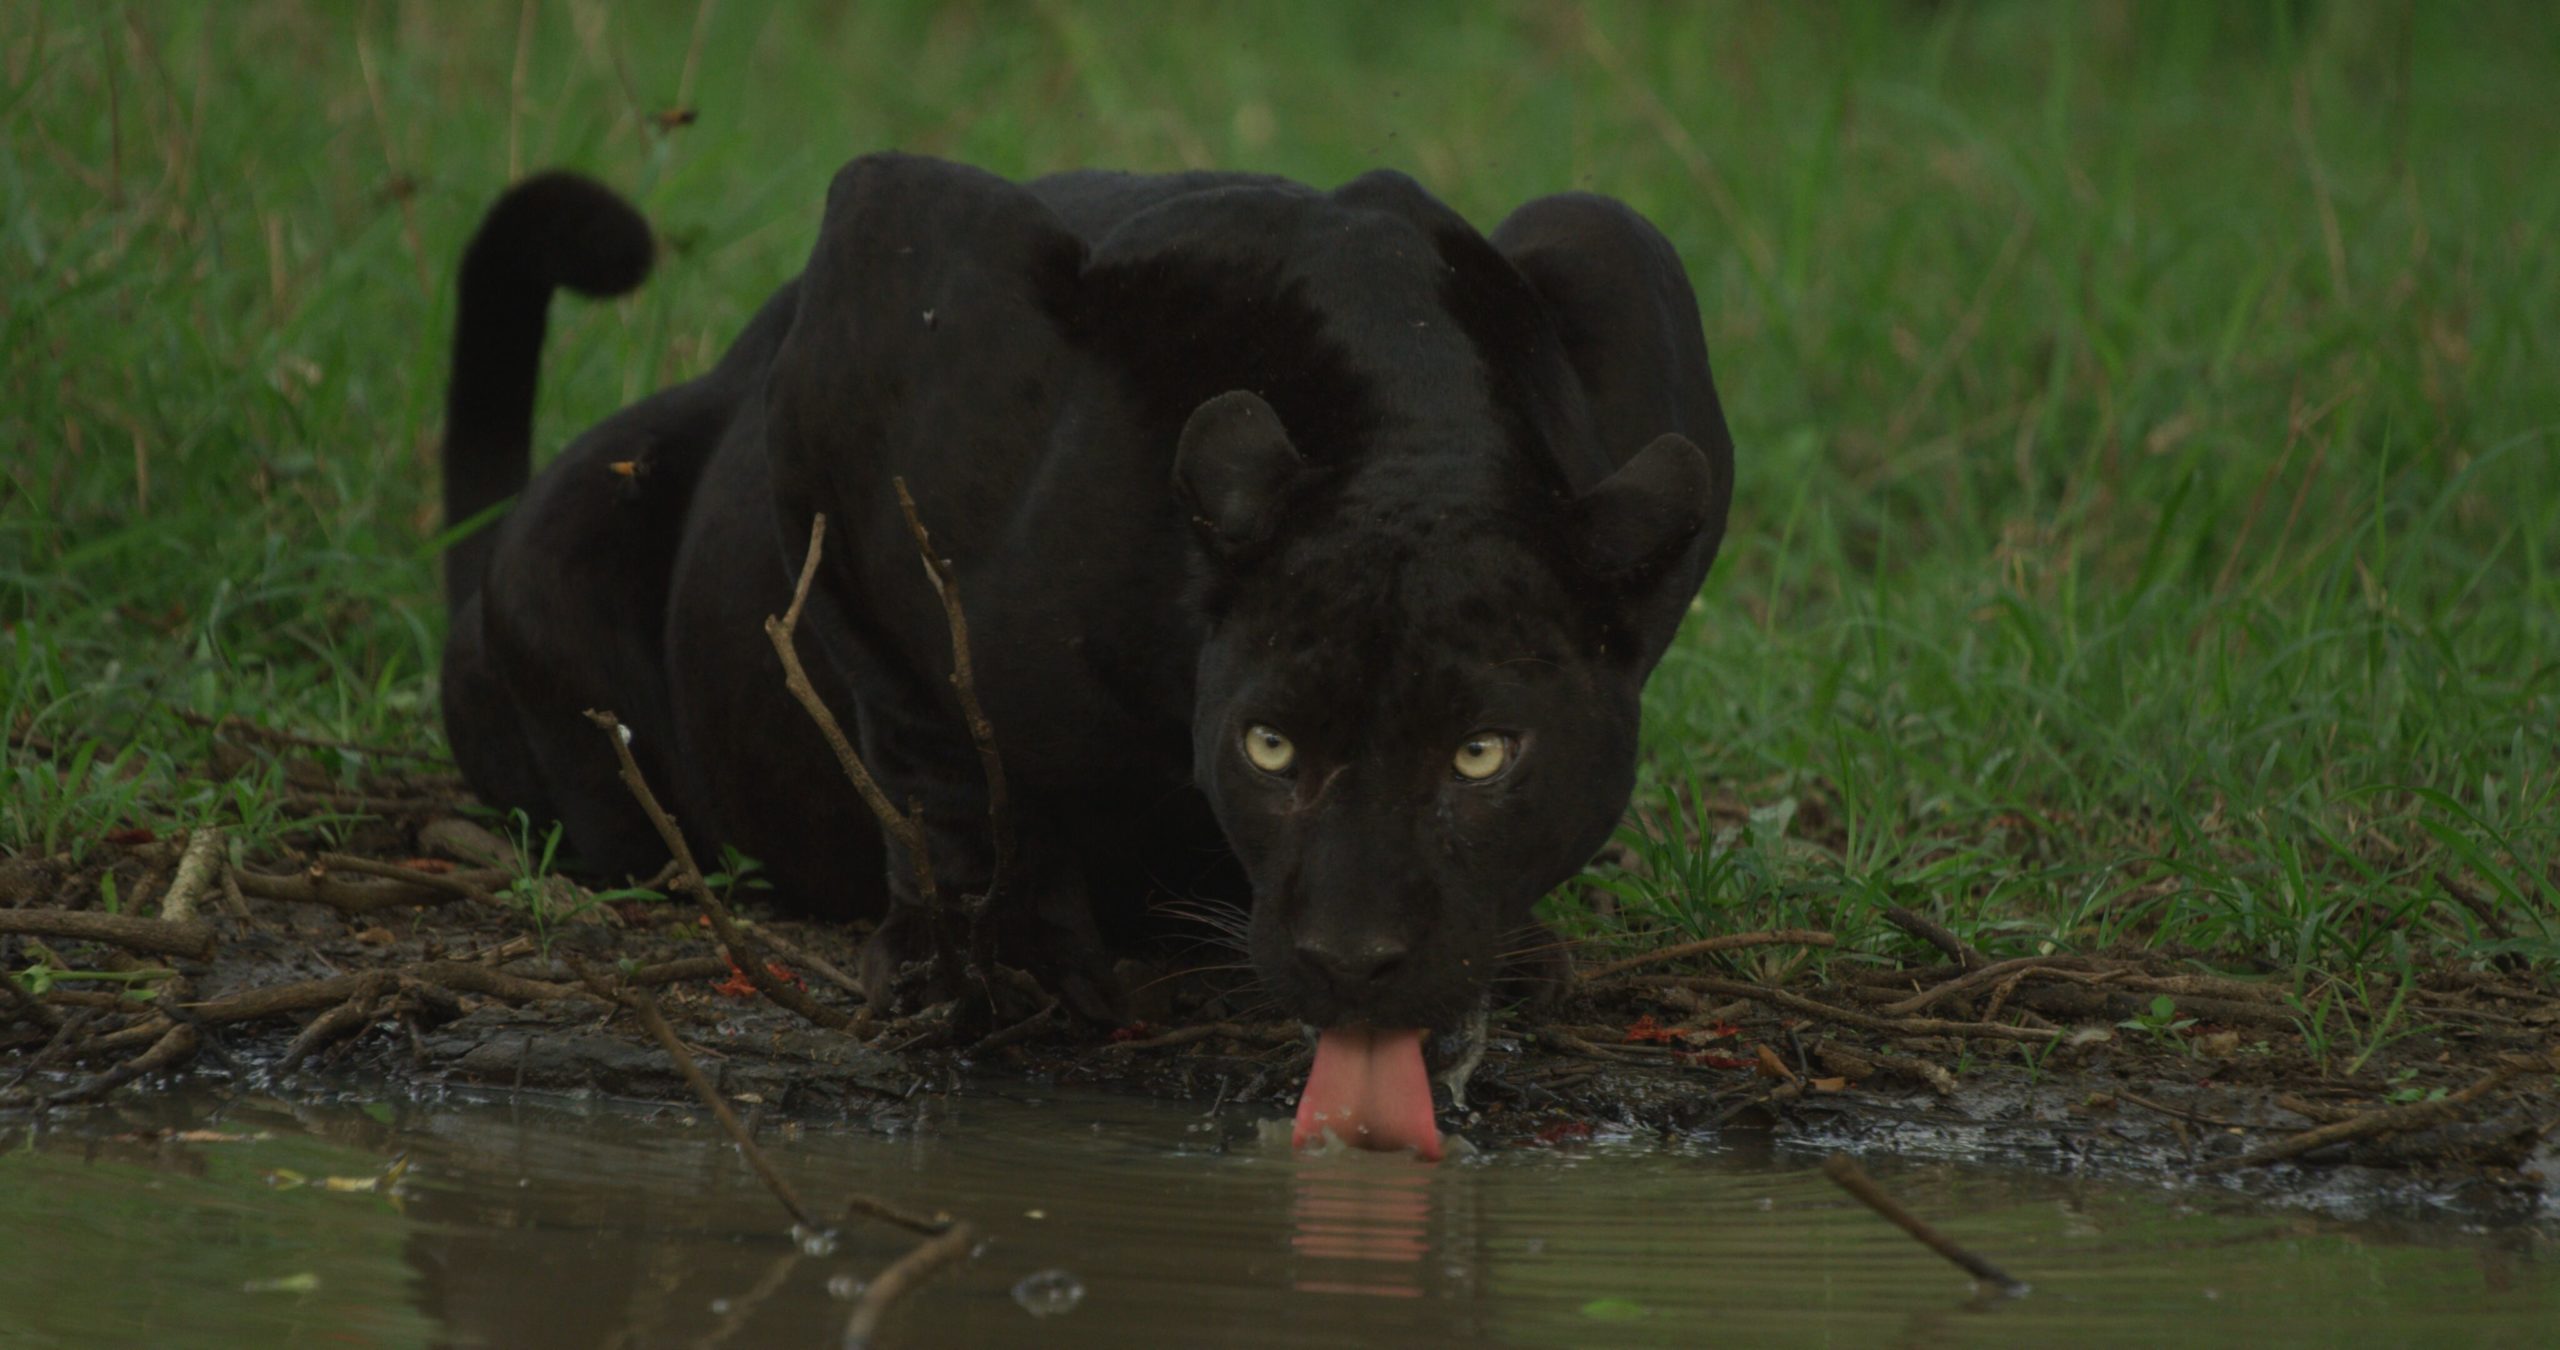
{"points": [[1771, 1066], [286, 1179]]}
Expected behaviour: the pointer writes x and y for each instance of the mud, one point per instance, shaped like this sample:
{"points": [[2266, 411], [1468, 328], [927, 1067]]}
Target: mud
{"points": [[416, 971]]}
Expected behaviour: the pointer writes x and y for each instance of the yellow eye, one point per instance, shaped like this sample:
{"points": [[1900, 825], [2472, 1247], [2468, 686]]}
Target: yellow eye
{"points": [[1482, 756], [1269, 751]]}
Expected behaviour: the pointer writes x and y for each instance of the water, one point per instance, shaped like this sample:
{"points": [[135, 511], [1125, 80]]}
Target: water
{"points": [[1121, 1222]]}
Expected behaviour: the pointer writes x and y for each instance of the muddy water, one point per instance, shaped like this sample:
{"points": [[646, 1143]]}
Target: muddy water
{"points": [[1123, 1222]]}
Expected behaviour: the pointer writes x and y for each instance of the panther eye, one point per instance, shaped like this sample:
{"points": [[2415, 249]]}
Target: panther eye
{"points": [[1269, 751], [1481, 756]]}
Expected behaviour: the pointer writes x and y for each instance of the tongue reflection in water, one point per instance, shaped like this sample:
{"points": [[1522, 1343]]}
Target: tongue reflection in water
{"points": [[1369, 1089]]}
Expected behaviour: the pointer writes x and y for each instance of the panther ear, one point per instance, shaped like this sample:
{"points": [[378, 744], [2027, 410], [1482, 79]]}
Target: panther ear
{"points": [[1233, 463], [1654, 510]]}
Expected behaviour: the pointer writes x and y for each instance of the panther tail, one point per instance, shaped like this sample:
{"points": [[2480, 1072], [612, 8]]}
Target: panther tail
{"points": [[551, 230]]}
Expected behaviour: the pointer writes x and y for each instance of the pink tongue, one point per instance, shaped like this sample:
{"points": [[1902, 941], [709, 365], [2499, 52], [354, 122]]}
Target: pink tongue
{"points": [[1369, 1088]]}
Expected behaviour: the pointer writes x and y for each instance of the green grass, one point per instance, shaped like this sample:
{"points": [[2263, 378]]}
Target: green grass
{"points": [[2148, 439]]}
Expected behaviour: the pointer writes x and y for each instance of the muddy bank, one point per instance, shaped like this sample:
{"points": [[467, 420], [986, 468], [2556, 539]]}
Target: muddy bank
{"points": [[417, 952], [387, 936]]}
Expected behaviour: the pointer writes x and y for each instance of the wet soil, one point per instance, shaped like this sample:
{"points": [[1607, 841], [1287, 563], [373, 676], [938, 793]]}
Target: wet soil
{"points": [[392, 955]]}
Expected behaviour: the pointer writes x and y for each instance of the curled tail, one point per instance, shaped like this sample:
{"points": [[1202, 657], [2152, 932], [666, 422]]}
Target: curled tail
{"points": [[551, 230]]}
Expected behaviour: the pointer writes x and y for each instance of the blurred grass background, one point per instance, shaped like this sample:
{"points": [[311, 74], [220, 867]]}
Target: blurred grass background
{"points": [[2148, 501]]}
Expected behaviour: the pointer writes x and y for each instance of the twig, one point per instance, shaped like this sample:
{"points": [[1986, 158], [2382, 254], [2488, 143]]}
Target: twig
{"points": [[1801, 937], [233, 900], [1900, 1026], [2387, 1120], [679, 970], [1966, 984], [358, 897], [192, 939], [689, 879], [982, 735], [907, 831], [337, 1022], [1936, 935], [1019, 1031], [2183, 1113], [901, 1278], [801, 956], [195, 868], [175, 1047], [1848, 1176], [465, 885], [639, 1002]]}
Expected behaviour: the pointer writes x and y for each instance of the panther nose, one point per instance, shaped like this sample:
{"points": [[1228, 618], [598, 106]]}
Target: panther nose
{"points": [[1350, 965]]}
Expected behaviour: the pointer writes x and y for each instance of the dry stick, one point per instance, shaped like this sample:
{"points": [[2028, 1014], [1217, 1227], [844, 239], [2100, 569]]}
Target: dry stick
{"points": [[801, 956], [1019, 1031], [463, 884], [638, 1001], [1966, 984], [1900, 1026], [195, 868], [330, 991], [192, 939], [681, 969], [907, 831], [2388, 1120], [233, 900], [902, 1277], [2183, 1113], [353, 897], [173, 1048], [982, 734], [1848, 1176], [689, 879], [1936, 935], [339, 1021], [1801, 937]]}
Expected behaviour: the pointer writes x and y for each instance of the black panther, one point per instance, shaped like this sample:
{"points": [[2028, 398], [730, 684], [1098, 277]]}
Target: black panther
{"points": [[1315, 549]]}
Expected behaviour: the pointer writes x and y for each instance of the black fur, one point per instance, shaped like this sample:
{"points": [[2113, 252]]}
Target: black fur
{"points": [[1206, 452]]}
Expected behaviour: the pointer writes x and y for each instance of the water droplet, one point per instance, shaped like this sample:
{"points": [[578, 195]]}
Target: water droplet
{"points": [[1047, 1293], [846, 1288], [719, 1307], [816, 1242]]}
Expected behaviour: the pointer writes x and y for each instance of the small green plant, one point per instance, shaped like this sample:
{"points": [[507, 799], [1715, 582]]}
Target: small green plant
{"points": [[2405, 1093], [535, 890], [2160, 1019], [2034, 1057]]}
